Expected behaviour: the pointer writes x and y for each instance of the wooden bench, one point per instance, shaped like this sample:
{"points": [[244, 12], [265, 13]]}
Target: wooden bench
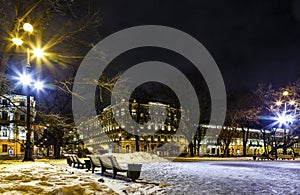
{"points": [[110, 163], [116, 167], [286, 156], [73, 160], [95, 162], [105, 164], [69, 160], [78, 161]]}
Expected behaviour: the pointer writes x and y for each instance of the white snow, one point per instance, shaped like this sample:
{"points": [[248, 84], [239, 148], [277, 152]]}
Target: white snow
{"points": [[56, 177], [137, 157], [158, 177], [227, 177]]}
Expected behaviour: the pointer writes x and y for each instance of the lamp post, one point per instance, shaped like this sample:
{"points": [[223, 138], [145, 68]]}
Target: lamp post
{"points": [[27, 82], [286, 116]]}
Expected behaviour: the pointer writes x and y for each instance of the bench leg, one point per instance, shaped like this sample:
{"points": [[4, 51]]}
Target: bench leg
{"points": [[103, 169], [114, 173]]}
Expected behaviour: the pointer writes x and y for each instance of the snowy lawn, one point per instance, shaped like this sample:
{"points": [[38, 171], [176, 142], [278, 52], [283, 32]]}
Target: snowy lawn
{"points": [[56, 177], [158, 177]]}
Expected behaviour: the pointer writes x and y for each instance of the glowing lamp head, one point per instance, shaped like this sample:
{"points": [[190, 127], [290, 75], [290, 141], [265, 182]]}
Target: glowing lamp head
{"points": [[25, 79], [292, 102], [28, 27], [278, 103], [17, 41], [285, 119], [285, 93], [38, 52], [38, 85]]}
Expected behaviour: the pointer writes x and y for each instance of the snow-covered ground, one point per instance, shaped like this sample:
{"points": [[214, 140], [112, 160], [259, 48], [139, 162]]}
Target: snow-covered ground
{"points": [[56, 177], [158, 177], [227, 177]]}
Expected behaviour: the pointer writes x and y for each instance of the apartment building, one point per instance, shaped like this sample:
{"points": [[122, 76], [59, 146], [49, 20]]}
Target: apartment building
{"points": [[13, 123]]}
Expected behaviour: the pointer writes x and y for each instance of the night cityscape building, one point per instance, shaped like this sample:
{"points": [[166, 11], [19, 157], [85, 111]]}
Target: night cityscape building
{"points": [[104, 134], [13, 123], [119, 139]]}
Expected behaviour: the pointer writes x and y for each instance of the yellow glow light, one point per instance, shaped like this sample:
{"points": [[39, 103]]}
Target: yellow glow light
{"points": [[285, 93], [278, 103], [28, 27], [292, 102], [38, 52], [17, 41]]}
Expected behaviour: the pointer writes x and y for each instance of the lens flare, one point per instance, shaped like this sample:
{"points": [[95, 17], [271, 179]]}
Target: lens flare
{"points": [[25, 79], [39, 85]]}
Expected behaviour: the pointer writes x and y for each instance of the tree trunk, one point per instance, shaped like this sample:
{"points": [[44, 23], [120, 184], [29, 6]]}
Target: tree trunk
{"points": [[58, 144], [245, 140], [264, 138], [198, 148], [191, 146], [137, 147], [56, 151], [195, 146], [48, 151], [226, 150]]}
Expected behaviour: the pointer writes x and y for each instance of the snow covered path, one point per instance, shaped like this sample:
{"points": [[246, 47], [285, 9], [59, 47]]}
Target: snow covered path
{"points": [[227, 177]]}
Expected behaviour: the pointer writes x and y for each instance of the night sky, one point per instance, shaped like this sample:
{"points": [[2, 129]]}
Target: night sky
{"points": [[251, 41]]}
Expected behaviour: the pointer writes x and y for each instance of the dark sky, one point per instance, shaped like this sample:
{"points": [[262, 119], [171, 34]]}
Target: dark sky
{"points": [[251, 41]]}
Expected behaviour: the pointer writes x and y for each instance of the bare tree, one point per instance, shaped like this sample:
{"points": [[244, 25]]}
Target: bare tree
{"points": [[57, 126], [228, 133], [280, 115], [64, 29], [243, 110]]}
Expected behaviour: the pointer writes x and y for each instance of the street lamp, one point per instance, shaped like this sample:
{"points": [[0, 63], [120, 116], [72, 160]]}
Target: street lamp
{"points": [[287, 116], [27, 82]]}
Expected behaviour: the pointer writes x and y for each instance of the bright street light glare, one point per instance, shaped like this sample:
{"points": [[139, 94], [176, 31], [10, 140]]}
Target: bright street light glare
{"points": [[285, 93], [25, 79], [38, 52], [285, 119], [292, 102], [278, 103], [17, 41], [28, 27], [39, 85]]}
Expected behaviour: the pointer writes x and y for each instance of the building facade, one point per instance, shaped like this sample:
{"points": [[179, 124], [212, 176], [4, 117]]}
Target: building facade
{"points": [[13, 123], [257, 141], [157, 128]]}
